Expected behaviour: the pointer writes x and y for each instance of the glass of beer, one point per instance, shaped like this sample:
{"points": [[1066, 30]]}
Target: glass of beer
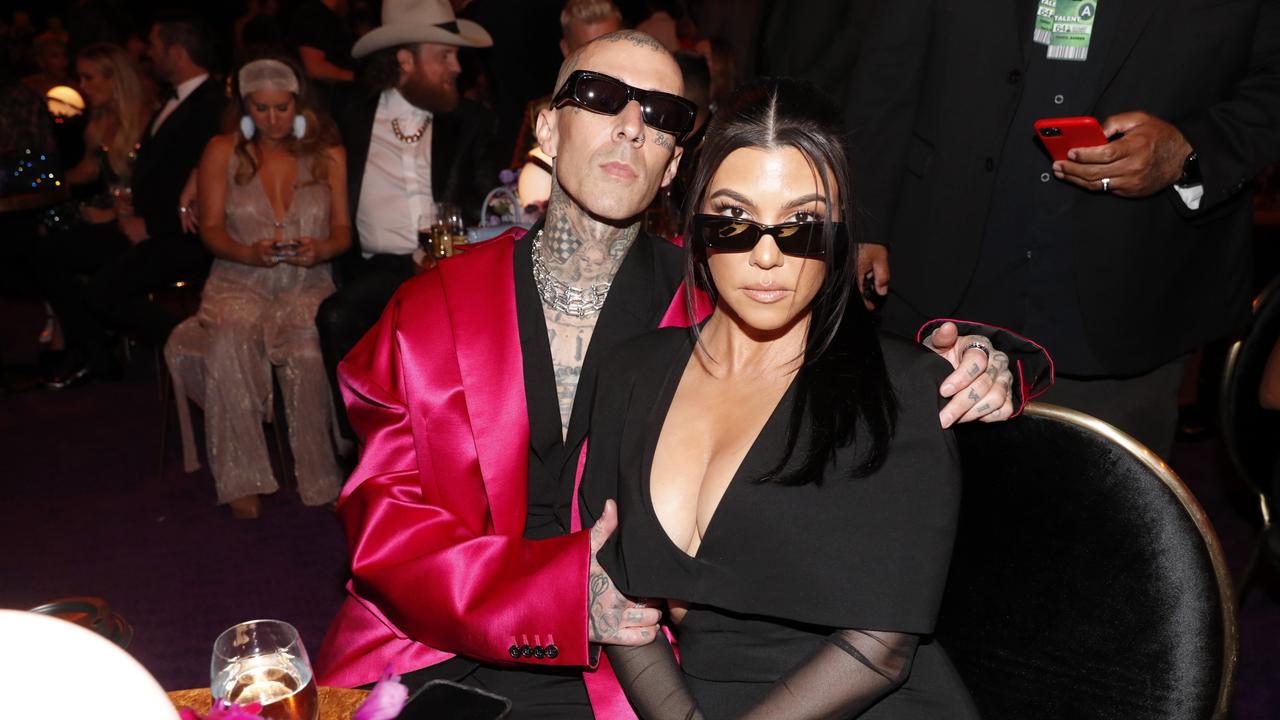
{"points": [[263, 661], [450, 229], [426, 242]]}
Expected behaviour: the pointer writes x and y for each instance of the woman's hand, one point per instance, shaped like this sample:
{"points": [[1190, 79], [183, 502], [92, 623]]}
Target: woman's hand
{"points": [[300, 251], [132, 226], [96, 215], [188, 208], [190, 219], [263, 253]]}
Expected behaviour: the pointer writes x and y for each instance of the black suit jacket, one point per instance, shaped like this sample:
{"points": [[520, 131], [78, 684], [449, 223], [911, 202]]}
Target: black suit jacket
{"points": [[463, 165], [933, 97], [166, 159], [815, 40]]}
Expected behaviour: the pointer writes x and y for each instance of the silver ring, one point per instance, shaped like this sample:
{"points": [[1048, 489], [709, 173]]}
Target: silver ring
{"points": [[1106, 184], [975, 345]]}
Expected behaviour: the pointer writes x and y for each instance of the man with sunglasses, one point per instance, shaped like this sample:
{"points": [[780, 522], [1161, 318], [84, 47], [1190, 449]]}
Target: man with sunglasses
{"points": [[472, 395]]}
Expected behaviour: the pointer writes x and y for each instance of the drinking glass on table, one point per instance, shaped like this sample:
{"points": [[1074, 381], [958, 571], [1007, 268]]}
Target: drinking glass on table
{"points": [[426, 226], [450, 228], [263, 661]]}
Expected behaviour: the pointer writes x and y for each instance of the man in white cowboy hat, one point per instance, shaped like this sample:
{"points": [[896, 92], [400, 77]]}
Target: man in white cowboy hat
{"points": [[472, 399], [411, 143]]}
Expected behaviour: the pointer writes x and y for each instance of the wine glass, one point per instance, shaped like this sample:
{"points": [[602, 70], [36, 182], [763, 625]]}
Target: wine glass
{"points": [[450, 216], [263, 661], [425, 223], [453, 228], [122, 197]]}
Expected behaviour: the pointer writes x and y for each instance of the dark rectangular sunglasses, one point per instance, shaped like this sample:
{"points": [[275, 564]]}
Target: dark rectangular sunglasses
{"points": [[719, 232], [608, 95]]}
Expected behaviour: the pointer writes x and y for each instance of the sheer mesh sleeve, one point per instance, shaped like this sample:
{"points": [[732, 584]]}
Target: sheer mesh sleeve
{"points": [[653, 681], [848, 673]]}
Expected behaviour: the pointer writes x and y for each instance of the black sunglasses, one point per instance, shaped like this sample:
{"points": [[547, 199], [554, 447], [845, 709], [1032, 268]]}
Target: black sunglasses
{"points": [[607, 95], [720, 232]]}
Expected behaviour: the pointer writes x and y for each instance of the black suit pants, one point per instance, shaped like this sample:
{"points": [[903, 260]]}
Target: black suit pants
{"points": [[345, 316], [118, 293], [535, 693], [64, 259]]}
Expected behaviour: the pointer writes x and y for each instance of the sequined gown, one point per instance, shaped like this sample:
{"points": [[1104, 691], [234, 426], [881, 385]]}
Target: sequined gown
{"points": [[253, 320]]}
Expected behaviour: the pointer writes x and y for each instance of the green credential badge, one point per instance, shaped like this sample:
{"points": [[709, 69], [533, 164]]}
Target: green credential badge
{"points": [[1044, 21], [1072, 29]]}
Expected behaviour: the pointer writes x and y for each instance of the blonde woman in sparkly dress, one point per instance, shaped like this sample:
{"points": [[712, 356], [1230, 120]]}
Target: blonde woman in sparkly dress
{"points": [[273, 211]]}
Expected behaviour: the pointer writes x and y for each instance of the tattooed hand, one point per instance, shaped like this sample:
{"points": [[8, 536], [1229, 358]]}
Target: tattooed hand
{"points": [[614, 618], [980, 387]]}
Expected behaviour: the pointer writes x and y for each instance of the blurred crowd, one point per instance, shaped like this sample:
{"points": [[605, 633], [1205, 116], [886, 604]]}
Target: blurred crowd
{"points": [[135, 162], [113, 113]]}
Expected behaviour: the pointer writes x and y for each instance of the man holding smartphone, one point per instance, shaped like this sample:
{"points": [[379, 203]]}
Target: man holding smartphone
{"points": [[1120, 258]]}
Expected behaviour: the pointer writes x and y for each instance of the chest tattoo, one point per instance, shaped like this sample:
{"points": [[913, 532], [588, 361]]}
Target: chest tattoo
{"points": [[569, 339]]}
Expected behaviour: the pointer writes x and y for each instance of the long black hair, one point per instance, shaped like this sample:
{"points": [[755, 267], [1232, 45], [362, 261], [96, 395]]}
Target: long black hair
{"points": [[842, 382]]}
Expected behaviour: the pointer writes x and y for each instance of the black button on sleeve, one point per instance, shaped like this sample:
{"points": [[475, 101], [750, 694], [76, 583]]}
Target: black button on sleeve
{"points": [[552, 652], [1015, 76], [526, 651], [514, 651], [539, 652]]}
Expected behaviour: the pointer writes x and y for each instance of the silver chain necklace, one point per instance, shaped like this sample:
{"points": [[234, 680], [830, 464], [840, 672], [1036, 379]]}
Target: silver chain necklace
{"points": [[559, 295]]}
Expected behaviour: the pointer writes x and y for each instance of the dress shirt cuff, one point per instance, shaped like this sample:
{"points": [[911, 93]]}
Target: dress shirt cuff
{"points": [[1191, 195]]}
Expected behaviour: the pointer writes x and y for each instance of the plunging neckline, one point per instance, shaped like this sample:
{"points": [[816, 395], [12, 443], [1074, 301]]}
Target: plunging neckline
{"points": [[280, 223], [653, 434]]}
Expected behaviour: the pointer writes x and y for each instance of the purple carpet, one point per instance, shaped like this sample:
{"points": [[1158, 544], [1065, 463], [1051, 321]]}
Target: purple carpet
{"points": [[88, 508]]}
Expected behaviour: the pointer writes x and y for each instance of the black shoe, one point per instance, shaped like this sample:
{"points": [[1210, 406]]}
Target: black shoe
{"points": [[82, 373], [70, 379]]}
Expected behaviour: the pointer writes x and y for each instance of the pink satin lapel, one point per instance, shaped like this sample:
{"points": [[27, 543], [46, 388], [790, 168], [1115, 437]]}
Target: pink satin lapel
{"points": [[677, 314], [487, 341], [607, 697]]}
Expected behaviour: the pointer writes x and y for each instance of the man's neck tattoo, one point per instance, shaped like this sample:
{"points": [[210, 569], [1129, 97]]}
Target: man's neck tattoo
{"points": [[578, 249]]}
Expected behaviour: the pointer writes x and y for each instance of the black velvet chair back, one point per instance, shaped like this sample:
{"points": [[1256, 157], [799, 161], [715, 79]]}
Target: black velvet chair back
{"points": [[1251, 434], [1086, 581]]}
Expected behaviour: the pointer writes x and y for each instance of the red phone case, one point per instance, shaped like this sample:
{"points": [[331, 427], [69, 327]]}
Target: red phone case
{"points": [[1062, 134]]}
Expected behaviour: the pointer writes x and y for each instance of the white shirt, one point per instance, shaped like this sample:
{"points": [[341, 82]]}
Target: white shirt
{"points": [[396, 189], [1191, 195], [184, 89]]}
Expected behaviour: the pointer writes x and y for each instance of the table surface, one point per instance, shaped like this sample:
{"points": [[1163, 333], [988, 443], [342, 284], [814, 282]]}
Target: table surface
{"points": [[335, 703]]}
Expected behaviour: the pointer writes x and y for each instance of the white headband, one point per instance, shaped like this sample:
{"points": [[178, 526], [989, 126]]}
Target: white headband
{"points": [[267, 75]]}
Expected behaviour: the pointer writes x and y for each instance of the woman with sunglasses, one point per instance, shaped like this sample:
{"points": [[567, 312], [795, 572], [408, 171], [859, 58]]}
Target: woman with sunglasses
{"points": [[782, 480]]}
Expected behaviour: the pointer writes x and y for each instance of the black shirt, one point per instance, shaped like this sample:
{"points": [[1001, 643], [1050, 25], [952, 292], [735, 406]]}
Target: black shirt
{"points": [[781, 566], [313, 24], [642, 291], [1026, 277]]}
